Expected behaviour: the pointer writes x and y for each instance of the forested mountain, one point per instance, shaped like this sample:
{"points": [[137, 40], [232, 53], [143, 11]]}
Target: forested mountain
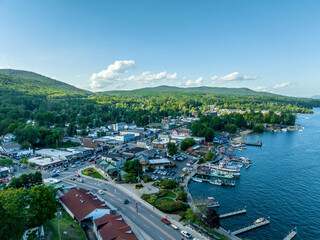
{"points": [[35, 84], [204, 89]]}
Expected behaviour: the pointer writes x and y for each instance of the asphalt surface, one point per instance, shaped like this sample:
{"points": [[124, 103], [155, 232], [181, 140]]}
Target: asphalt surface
{"points": [[147, 221]]}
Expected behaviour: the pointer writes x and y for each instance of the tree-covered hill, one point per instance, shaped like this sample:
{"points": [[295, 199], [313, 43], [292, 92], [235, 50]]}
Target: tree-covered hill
{"points": [[204, 89], [34, 84]]}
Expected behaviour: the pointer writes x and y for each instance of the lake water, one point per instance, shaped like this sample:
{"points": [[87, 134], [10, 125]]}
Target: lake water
{"points": [[283, 183]]}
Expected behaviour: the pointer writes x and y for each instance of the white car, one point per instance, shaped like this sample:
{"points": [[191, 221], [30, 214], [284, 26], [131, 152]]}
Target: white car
{"points": [[100, 192], [185, 234]]}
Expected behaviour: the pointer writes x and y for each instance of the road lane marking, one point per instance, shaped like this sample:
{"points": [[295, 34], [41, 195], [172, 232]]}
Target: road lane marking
{"points": [[164, 232], [167, 234]]}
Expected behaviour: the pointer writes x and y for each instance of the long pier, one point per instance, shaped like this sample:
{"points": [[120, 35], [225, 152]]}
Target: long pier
{"points": [[249, 228], [243, 211], [291, 235]]}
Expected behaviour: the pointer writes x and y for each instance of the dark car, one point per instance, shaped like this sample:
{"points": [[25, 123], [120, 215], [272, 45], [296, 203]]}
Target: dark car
{"points": [[166, 221], [126, 201]]}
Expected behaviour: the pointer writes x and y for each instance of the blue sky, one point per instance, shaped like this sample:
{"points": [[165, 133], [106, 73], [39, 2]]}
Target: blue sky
{"points": [[103, 45]]}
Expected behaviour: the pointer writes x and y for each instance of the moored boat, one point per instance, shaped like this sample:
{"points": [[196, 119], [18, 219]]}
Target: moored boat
{"points": [[259, 220]]}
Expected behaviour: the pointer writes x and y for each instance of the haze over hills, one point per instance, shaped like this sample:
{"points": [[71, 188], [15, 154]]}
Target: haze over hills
{"points": [[203, 89], [35, 84]]}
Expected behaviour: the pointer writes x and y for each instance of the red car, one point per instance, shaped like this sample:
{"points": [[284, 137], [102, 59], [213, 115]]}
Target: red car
{"points": [[77, 175], [166, 221], [90, 160]]}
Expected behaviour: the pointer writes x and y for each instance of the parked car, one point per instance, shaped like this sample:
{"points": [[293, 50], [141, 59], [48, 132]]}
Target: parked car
{"points": [[55, 175], [77, 175], [185, 234], [165, 220]]}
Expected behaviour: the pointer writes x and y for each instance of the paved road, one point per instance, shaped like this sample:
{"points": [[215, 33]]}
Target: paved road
{"points": [[145, 219]]}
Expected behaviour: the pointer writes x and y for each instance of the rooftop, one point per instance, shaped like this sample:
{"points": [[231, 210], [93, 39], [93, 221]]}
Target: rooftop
{"points": [[82, 202]]}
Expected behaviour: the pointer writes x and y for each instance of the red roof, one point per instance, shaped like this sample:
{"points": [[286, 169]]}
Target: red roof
{"points": [[113, 227], [81, 203]]}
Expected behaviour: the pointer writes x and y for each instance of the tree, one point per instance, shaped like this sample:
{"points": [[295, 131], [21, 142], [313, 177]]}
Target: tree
{"points": [[201, 160], [26, 181], [209, 156], [42, 206], [258, 128], [231, 128], [14, 211], [130, 178], [186, 143], [209, 134], [172, 148], [211, 218], [6, 162], [169, 184]]}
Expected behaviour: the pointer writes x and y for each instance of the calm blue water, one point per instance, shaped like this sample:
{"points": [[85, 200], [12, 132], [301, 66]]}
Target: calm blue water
{"points": [[283, 183]]}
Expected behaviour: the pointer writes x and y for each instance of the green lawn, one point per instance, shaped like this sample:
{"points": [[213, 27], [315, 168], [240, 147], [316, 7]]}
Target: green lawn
{"points": [[66, 224], [171, 194], [94, 175], [167, 199]]}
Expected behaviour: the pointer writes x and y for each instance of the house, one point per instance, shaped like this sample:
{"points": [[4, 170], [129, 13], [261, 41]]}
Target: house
{"points": [[139, 132], [131, 126], [157, 143], [118, 126], [10, 147], [115, 159], [112, 227], [94, 144], [181, 132], [110, 170], [210, 113], [169, 126], [145, 145], [81, 204], [164, 137], [125, 138], [150, 153], [4, 172], [8, 138], [134, 152]]}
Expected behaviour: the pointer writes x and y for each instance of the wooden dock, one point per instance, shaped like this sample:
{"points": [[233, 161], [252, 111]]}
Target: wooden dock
{"points": [[249, 228], [291, 235], [243, 211]]}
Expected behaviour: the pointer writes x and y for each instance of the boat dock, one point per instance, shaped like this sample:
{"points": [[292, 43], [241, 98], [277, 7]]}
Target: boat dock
{"points": [[243, 211], [291, 235], [249, 228], [258, 144]]}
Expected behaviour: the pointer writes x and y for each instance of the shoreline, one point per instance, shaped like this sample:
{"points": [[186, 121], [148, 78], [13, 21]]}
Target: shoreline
{"points": [[243, 134]]}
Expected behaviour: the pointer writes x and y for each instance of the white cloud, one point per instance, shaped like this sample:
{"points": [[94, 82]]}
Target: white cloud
{"points": [[1, 67], [148, 77], [281, 85], [261, 89], [111, 74], [197, 82], [235, 76], [54, 77]]}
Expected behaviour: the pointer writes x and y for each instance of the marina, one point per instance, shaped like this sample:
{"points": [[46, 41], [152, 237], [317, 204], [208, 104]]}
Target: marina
{"points": [[291, 235]]}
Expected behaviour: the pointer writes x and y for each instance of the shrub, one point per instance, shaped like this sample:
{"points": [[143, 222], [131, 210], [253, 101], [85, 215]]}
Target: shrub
{"points": [[162, 193], [169, 184], [201, 160], [146, 179], [131, 178], [182, 196]]}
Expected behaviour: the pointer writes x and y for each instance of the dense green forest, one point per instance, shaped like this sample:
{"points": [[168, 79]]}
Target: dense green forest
{"points": [[52, 104]]}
